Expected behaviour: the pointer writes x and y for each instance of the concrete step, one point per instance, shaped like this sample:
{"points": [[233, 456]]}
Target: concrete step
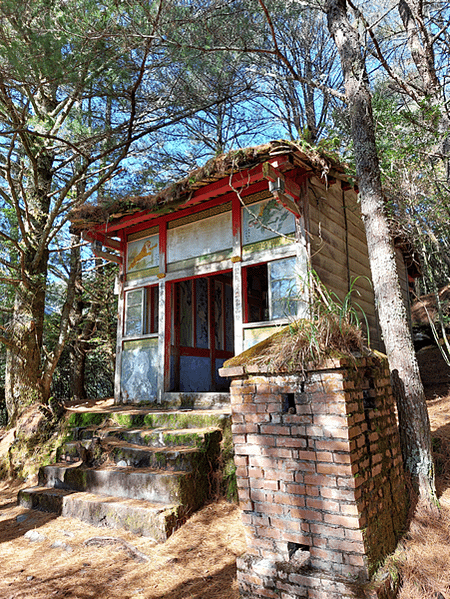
{"points": [[157, 437], [154, 520], [85, 424], [208, 438], [142, 483], [126, 454], [159, 463]]}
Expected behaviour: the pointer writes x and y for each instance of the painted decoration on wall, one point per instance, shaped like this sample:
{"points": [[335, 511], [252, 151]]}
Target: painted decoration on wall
{"points": [[143, 254], [200, 238], [139, 371], [268, 213]]}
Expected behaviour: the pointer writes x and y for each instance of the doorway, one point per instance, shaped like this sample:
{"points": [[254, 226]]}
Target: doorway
{"points": [[202, 332]]}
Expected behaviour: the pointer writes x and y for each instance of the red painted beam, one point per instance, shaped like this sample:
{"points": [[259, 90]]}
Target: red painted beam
{"points": [[218, 188]]}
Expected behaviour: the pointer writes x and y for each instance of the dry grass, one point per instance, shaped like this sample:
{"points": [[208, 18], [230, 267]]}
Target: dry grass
{"points": [[424, 560], [304, 344], [424, 555], [198, 561]]}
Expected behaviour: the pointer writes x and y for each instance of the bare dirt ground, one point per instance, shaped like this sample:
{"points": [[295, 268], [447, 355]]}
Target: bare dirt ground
{"points": [[198, 561]]}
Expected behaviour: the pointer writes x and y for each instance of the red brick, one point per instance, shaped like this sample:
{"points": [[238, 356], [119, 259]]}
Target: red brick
{"points": [[260, 495], [274, 429], [329, 531], [336, 469], [247, 449], [356, 560], [344, 521], [331, 445], [329, 556], [295, 489], [285, 523], [265, 440], [307, 467], [376, 470], [350, 482], [244, 428], [319, 503], [354, 535], [291, 442], [244, 494], [239, 439], [297, 430], [330, 421], [253, 471], [305, 514], [260, 520], [241, 460], [244, 408], [341, 494], [325, 456], [342, 458], [271, 408], [320, 542], [258, 418], [320, 479], [346, 546], [263, 461], [312, 491], [242, 471], [247, 397], [314, 431], [307, 455], [349, 509], [287, 455]]}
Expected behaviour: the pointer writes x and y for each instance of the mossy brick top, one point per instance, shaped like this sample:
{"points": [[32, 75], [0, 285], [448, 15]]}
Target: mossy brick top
{"points": [[257, 359]]}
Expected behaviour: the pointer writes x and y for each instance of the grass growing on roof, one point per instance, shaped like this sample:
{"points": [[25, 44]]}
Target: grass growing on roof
{"points": [[335, 330]]}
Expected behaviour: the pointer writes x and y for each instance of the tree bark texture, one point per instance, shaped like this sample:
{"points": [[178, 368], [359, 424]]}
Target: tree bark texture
{"points": [[413, 416], [23, 382]]}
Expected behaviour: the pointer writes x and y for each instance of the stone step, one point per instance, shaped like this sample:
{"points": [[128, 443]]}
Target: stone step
{"points": [[126, 454], [143, 483], [208, 438], [154, 520], [157, 437], [85, 424]]}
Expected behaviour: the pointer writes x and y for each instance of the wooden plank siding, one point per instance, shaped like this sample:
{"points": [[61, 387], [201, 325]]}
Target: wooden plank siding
{"points": [[339, 249]]}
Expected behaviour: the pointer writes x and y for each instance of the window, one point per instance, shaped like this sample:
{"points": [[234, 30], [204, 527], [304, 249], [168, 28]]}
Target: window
{"points": [[141, 311], [271, 291]]}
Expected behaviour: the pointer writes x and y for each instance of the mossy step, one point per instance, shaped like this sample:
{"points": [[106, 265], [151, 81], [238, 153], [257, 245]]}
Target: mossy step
{"points": [[202, 437], [140, 418], [142, 483], [154, 520], [159, 437], [179, 457]]}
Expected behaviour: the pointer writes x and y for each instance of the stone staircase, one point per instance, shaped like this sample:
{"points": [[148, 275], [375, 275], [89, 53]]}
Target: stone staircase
{"points": [[134, 467]]}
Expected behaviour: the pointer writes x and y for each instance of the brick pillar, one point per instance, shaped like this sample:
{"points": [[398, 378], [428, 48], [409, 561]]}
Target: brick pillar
{"points": [[320, 478]]}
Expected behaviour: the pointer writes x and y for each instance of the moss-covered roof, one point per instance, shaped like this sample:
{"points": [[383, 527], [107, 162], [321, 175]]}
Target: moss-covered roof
{"points": [[215, 169], [305, 345]]}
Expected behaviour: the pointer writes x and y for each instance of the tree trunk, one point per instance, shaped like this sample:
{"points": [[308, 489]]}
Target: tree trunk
{"points": [[23, 382], [413, 416], [23, 360]]}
